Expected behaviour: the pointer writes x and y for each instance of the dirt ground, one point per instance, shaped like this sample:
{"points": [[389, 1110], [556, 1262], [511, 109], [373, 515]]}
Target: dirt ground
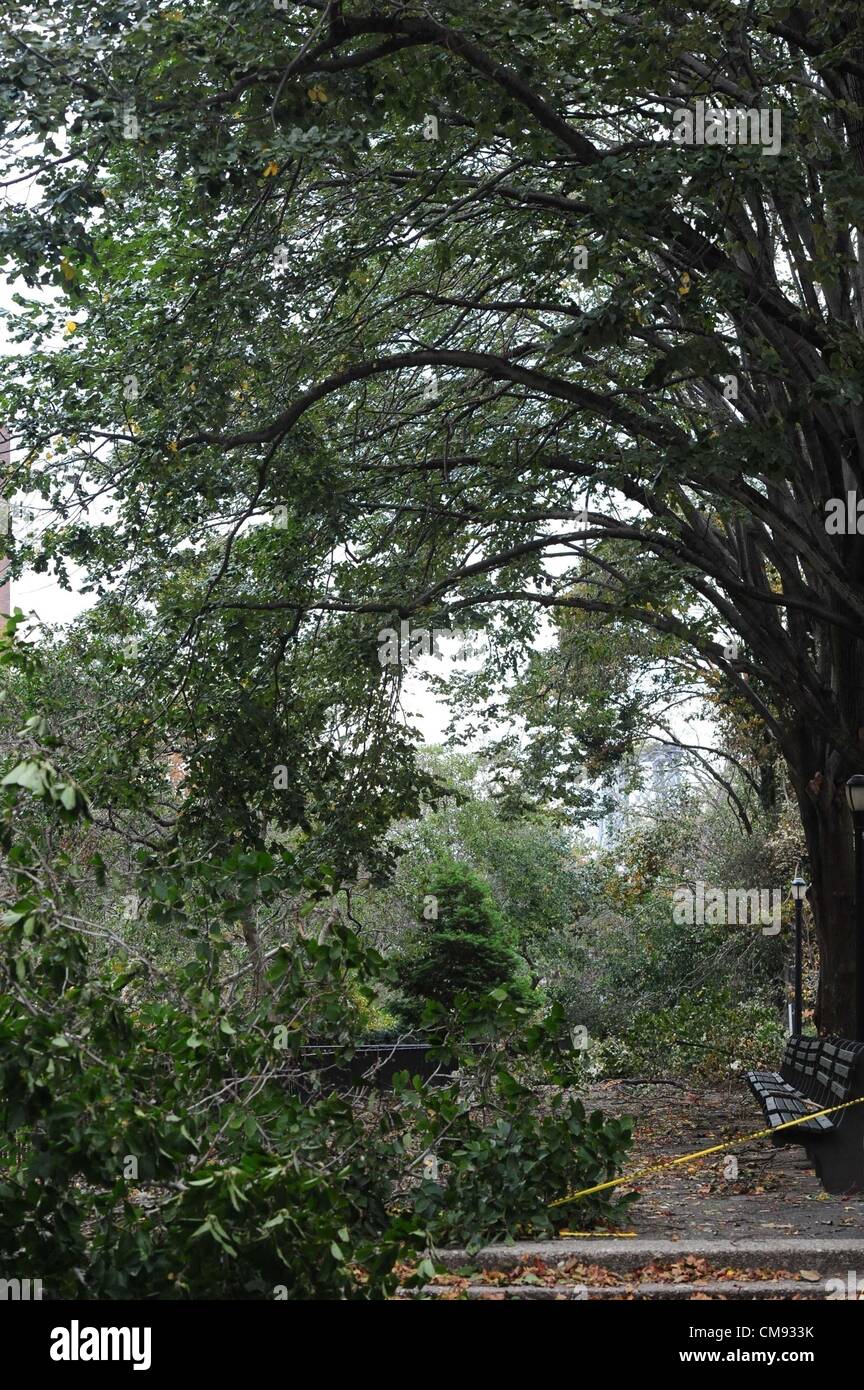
{"points": [[775, 1192]]}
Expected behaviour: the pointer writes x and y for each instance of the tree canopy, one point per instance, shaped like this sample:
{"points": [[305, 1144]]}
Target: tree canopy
{"points": [[344, 313]]}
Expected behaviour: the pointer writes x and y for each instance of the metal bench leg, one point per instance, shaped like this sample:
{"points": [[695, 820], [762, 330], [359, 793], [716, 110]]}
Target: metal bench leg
{"points": [[839, 1157]]}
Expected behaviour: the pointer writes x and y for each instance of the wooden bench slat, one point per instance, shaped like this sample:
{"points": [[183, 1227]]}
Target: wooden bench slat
{"points": [[815, 1074]]}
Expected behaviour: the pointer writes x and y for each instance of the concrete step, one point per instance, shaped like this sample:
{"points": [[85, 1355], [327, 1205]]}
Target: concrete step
{"points": [[830, 1256], [725, 1290]]}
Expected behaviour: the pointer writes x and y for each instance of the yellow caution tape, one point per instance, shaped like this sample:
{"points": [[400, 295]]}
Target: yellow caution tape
{"points": [[701, 1153]]}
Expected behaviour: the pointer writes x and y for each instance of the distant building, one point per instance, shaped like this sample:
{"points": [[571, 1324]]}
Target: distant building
{"points": [[667, 767], [663, 769]]}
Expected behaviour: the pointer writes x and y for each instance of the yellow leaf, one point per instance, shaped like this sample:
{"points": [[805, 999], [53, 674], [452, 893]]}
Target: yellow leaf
{"points": [[68, 270], [317, 93], [271, 169], [71, 326], [173, 446]]}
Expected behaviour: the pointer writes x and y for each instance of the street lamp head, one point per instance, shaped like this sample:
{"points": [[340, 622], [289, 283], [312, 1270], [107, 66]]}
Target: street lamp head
{"points": [[799, 888], [855, 797]]}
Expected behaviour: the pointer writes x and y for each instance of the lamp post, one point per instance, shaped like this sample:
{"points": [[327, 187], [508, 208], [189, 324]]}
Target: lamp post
{"points": [[855, 797], [799, 888]]}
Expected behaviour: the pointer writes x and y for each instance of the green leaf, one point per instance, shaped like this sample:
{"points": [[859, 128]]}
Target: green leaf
{"points": [[27, 774]]}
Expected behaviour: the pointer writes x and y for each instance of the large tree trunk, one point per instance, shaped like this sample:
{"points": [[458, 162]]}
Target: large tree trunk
{"points": [[828, 831]]}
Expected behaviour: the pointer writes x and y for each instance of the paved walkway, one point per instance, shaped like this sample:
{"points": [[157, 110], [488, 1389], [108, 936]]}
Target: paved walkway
{"points": [[775, 1193], [700, 1231]]}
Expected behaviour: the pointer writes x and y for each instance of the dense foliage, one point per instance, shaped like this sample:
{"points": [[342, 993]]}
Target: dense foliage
{"points": [[165, 1131]]}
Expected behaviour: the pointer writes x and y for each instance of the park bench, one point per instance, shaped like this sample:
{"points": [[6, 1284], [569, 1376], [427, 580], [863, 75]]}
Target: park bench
{"points": [[817, 1073], [373, 1064]]}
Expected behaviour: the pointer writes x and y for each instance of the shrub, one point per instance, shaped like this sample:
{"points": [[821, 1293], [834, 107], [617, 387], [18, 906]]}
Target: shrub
{"points": [[706, 1034], [500, 1177], [463, 951]]}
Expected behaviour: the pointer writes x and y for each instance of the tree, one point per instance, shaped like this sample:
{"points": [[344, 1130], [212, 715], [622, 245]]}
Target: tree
{"points": [[462, 948], [427, 351], [531, 863]]}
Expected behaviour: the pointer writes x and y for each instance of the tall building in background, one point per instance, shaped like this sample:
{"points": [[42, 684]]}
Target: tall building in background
{"points": [[5, 520]]}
